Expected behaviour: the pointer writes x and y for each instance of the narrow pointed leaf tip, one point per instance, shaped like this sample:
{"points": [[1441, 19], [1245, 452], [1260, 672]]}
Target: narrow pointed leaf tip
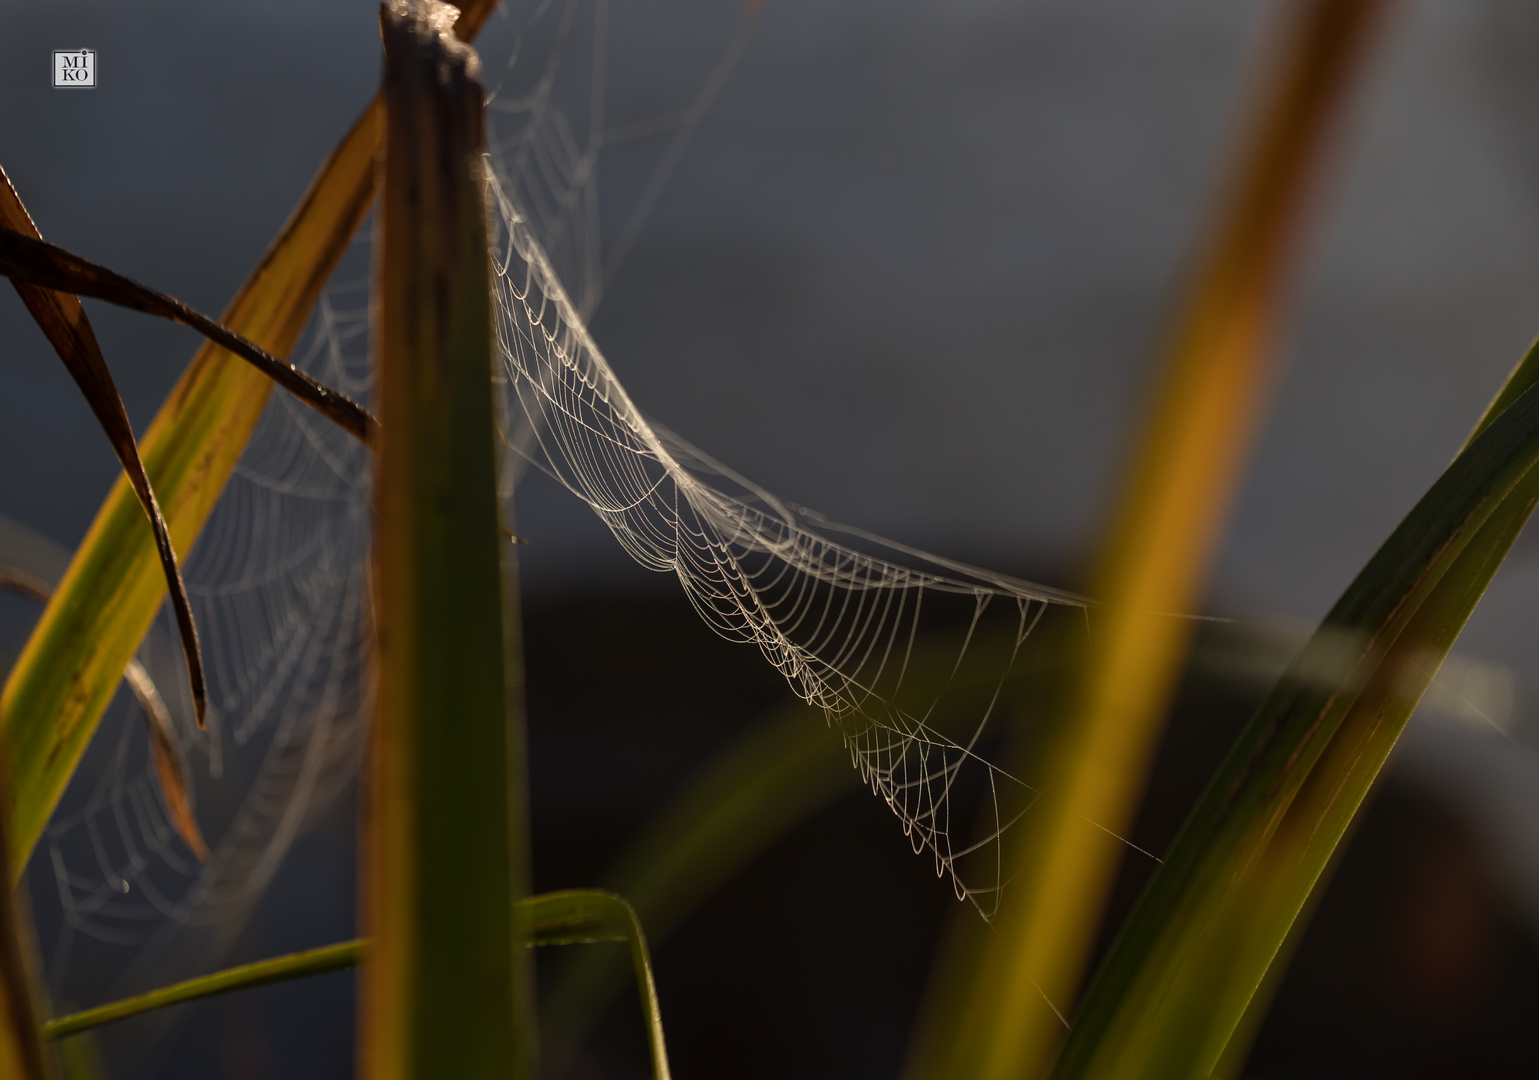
{"points": [[63, 321]]}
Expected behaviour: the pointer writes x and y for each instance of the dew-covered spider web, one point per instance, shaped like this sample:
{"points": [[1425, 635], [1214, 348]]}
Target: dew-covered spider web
{"points": [[278, 586], [912, 657], [857, 625], [278, 576]]}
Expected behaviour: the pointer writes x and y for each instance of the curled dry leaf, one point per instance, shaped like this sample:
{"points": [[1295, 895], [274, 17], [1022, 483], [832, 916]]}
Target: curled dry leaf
{"points": [[24, 584], [170, 767]]}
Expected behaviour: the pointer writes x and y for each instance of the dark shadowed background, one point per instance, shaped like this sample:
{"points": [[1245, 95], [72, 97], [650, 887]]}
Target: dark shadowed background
{"points": [[911, 271]]}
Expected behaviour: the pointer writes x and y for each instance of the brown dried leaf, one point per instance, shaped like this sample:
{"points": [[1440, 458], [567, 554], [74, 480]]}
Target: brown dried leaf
{"points": [[63, 321], [169, 766], [32, 260]]}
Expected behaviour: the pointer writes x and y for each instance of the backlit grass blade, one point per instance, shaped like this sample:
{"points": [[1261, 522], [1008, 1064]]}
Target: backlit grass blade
{"points": [[170, 764], [446, 990], [580, 916], [22, 1056], [1006, 1016], [573, 917], [278, 969], [1187, 964], [63, 321], [61, 684]]}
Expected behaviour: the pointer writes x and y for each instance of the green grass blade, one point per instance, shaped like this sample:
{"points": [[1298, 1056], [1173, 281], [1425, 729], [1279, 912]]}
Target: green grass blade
{"points": [[66, 675], [22, 1055], [1190, 959], [581, 916], [278, 969], [571, 917], [1231, 1061], [447, 989], [1524, 375]]}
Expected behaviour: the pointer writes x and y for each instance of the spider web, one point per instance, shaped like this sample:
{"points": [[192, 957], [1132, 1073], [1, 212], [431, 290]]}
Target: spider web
{"points": [[840, 618], [278, 578], [278, 583], [908, 654]]}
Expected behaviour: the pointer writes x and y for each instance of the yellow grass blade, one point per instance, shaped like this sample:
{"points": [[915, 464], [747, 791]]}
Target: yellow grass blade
{"points": [[1186, 469], [21, 1045], [69, 669], [170, 767]]}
